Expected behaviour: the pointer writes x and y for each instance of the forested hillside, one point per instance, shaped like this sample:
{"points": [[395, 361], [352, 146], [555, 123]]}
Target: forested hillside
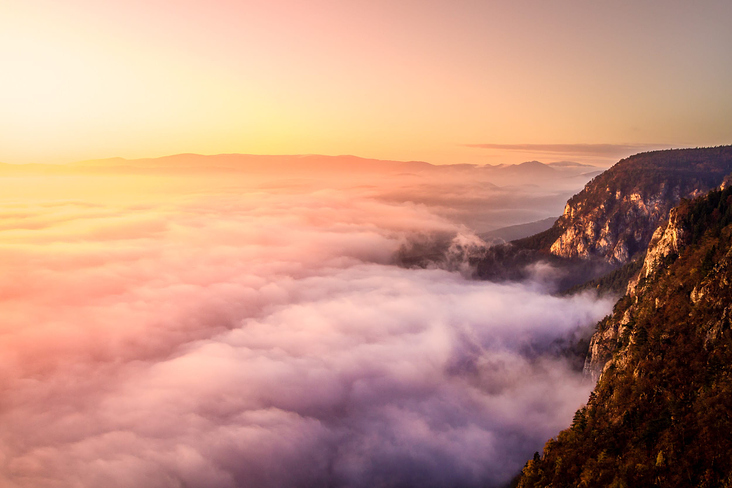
{"points": [[611, 221], [661, 413], [614, 216]]}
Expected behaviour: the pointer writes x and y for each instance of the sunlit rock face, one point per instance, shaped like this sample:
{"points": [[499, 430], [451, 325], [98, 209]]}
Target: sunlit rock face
{"points": [[669, 240], [615, 215], [615, 229], [658, 414]]}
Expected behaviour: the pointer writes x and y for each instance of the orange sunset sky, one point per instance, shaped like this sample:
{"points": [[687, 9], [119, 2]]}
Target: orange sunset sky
{"points": [[439, 81]]}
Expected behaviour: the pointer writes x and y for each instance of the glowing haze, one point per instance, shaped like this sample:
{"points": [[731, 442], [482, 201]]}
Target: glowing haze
{"points": [[249, 321], [404, 80], [224, 329]]}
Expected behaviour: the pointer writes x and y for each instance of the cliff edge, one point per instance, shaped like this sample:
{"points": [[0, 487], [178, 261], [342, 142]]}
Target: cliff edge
{"points": [[614, 217], [661, 412]]}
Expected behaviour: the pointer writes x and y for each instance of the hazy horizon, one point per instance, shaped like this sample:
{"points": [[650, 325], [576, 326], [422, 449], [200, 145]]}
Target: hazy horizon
{"points": [[238, 239], [578, 161], [241, 329], [472, 82]]}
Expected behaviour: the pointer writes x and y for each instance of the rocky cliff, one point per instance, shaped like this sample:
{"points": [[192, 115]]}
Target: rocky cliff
{"points": [[661, 413], [615, 215], [669, 239]]}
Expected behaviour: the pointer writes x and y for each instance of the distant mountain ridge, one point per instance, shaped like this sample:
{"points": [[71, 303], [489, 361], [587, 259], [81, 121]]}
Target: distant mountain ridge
{"points": [[254, 163], [302, 163], [518, 231]]}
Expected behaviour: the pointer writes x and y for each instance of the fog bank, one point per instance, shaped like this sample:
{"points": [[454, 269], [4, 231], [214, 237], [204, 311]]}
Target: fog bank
{"points": [[230, 332]]}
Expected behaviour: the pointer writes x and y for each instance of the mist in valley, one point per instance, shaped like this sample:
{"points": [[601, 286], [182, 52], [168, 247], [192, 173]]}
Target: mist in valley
{"points": [[232, 328]]}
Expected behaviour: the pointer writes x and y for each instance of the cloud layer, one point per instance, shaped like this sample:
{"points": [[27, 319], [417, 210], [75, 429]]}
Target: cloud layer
{"points": [[237, 334]]}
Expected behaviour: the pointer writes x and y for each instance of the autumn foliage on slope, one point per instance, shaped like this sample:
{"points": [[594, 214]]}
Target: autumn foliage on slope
{"points": [[661, 414]]}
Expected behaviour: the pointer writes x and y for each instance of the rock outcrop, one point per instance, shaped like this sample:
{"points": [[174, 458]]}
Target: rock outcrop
{"points": [[660, 414], [610, 223], [617, 228], [615, 215], [669, 239]]}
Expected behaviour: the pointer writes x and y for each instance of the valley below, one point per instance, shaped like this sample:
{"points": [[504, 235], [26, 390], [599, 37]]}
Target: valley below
{"points": [[228, 327]]}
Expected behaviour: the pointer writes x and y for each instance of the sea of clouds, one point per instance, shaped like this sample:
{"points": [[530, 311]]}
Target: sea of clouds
{"points": [[228, 333]]}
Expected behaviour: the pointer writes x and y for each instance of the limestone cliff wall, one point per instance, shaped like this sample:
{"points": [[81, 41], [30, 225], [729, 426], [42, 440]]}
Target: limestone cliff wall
{"points": [[614, 217], [669, 239], [617, 228]]}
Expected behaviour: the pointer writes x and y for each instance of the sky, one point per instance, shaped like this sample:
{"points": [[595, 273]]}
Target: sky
{"points": [[175, 322], [444, 82]]}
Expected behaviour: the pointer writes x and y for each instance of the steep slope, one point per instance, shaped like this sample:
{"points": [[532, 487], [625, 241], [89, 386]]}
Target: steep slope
{"points": [[610, 223], [661, 413], [614, 216]]}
